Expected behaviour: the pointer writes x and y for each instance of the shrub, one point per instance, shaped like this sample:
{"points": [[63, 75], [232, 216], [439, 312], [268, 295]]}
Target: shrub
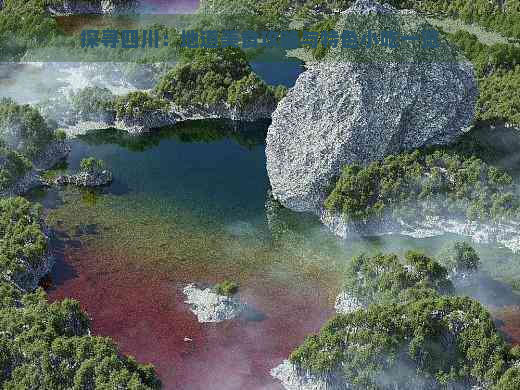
{"points": [[437, 340], [91, 165], [12, 166], [92, 101], [136, 104], [383, 278], [60, 135], [226, 288], [22, 241], [23, 129], [460, 257], [215, 78]]}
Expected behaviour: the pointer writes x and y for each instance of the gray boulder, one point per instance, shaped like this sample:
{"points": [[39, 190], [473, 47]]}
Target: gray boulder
{"points": [[71, 7], [209, 306], [86, 179], [345, 111]]}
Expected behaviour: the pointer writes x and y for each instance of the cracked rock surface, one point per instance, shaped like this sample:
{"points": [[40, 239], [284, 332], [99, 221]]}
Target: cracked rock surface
{"points": [[357, 112]]}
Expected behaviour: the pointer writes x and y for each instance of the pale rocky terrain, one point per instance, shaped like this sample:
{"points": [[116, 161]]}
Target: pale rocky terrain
{"points": [[357, 112], [209, 306]]}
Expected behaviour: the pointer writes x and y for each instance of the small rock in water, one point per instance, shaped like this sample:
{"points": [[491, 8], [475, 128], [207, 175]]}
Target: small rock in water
{"points": [[209, 306]]}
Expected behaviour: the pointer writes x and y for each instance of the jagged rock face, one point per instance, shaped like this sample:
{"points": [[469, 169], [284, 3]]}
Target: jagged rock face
{"points": [[70, 7], [293, 378], [86, 179], [209, 306], [357, 112], [365, 7]]}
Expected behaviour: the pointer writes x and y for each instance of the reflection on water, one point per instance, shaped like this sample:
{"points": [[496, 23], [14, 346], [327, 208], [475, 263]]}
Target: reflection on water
{"points": [[191, 204]]}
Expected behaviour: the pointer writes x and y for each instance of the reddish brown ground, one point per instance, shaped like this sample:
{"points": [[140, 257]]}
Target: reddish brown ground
{"points": [[144, 312], [508, 321]]}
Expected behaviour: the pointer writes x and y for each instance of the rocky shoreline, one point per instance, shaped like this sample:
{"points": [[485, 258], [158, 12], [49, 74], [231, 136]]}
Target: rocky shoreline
{"points": [[85, 179], [102, 7], [164, 118], [294, 378], [506, 234], [53, 154]]}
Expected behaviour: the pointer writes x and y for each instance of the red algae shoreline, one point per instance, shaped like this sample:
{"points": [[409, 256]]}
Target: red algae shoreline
{"points": [[143, 310], [508, 322]]}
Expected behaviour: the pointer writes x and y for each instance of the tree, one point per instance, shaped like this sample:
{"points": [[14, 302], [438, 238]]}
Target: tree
{"points": [[460, 258]]}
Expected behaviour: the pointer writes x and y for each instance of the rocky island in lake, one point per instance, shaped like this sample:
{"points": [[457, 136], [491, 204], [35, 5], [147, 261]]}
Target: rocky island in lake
{"points": [[214, 304]]}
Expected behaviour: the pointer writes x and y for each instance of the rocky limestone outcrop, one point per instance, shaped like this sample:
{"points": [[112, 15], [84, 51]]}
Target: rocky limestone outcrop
{"points": [[86, 179], [145, 122], [368, 7], [501, 233], [148, 121], [293, 378], [209, 306], [54, 153], [73, 7], [357, 112], [251, 113]]}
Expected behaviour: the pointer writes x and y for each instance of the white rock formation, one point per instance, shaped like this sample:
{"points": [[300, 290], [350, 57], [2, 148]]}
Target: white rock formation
{"points": [[345, 112], [71, 7], [506, 234], [293, 378], [209, 306], [86, 179]]}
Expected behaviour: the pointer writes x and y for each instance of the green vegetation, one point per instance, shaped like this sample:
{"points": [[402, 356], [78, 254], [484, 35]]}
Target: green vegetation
{"points": [[92, 101], [499, 97], [410, 335], [60, 135], [48, 346], [432, 182], [91, 165], [435, 340], [136, 104], [384, 278], [12, 166], [22, 242], [25, 24], [460, 257], [216, 77], [498, 70], [226, 288], [23, 129], [496, 15]]}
